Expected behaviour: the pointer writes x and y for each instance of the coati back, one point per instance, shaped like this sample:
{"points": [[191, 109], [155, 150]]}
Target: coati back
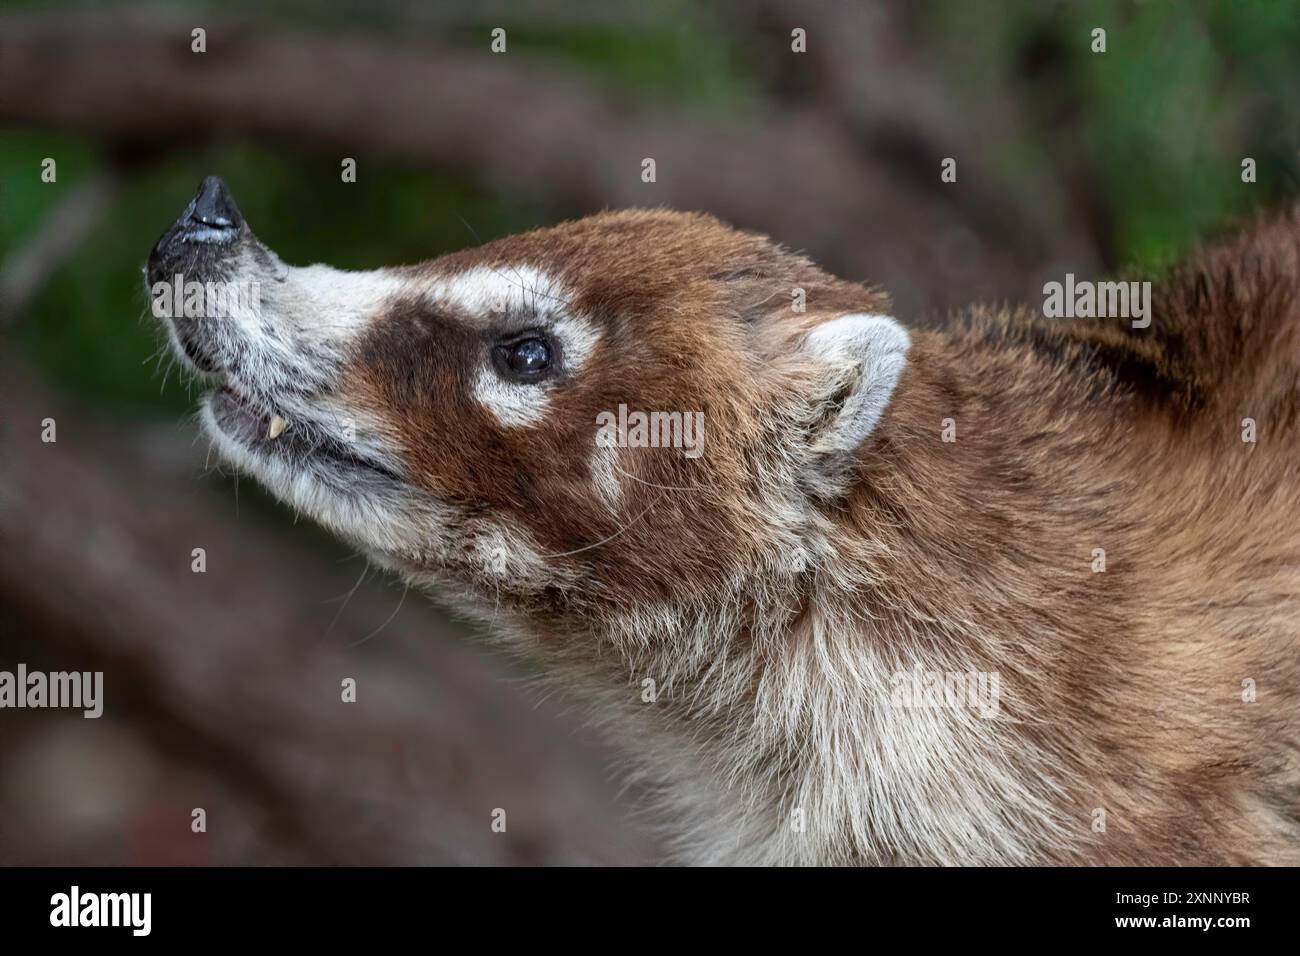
{"points": [[1017, 591]]}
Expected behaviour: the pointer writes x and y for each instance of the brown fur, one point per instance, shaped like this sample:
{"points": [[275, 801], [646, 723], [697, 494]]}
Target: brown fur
{"points": [[771, 606], [1083, 435], [1071, 436]]}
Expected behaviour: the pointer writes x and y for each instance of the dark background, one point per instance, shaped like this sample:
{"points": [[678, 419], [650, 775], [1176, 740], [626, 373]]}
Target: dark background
{"points": [[222, 689]]}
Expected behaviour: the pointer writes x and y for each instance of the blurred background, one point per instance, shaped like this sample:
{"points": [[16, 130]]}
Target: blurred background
{"points": [[222, 688]]}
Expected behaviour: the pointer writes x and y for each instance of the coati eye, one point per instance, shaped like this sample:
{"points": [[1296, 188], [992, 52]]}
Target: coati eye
{"points": [[527, 359], [530, 355]]}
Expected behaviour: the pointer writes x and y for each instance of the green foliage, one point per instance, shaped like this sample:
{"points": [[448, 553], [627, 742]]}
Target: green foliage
{"points": [[1172, 118], [1161, 120], [686, 64]]}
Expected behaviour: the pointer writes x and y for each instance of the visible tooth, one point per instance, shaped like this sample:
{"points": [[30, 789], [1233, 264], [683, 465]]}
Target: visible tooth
{"points": [[277, 426]]}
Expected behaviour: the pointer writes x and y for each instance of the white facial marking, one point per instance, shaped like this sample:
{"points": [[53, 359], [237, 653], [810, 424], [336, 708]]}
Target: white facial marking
{"points": [[578, 339], [604, 474], [335, 303], [509, 556], [511, 403], [479, 293], [484, 291]]}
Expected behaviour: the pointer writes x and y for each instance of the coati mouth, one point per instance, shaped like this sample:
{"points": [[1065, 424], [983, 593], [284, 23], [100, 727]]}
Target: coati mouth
{"points": [[297, 443]]}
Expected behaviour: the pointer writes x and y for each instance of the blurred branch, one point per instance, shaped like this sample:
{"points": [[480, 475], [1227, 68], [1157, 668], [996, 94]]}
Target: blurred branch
{"points": [[878, 73], [28, 269], [798, 175]]}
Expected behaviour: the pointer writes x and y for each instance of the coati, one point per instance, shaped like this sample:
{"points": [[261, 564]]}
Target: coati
{"points": [[1100, 523]]}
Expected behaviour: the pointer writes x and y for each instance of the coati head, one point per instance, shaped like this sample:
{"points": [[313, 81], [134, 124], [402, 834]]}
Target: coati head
{"points": [[475, 423]]}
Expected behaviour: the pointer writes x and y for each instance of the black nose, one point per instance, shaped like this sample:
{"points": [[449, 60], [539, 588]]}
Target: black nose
{"points": [[213, 210]]}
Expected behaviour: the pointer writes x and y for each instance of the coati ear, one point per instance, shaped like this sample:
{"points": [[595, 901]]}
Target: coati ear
{"points": [[859, 359]]}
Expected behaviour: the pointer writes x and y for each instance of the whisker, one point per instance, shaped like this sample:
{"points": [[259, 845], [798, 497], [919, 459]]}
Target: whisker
{"points": [[387, 622], [651, 484], [520, 284], [365, 569], [597, 544]]}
